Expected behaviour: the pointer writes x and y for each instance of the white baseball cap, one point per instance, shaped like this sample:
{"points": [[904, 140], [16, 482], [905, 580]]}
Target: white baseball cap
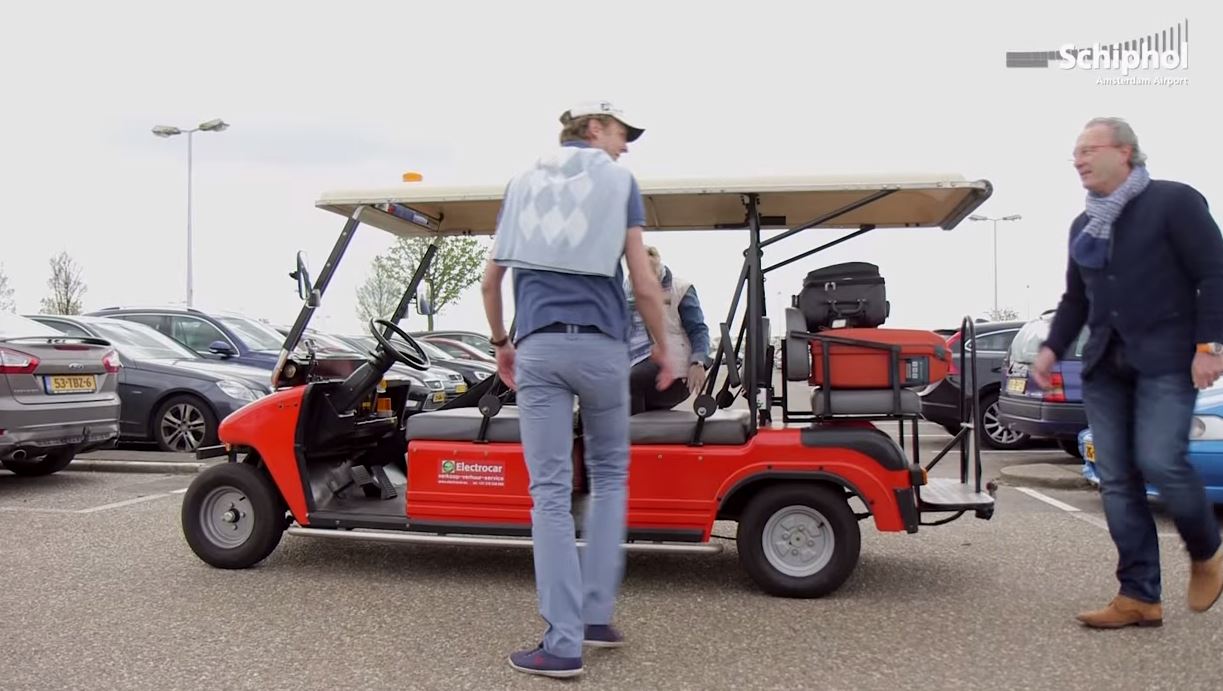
{"points": [[601, 108]]}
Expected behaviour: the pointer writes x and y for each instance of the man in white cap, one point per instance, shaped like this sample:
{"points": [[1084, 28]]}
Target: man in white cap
{"points": [[564, 226]]}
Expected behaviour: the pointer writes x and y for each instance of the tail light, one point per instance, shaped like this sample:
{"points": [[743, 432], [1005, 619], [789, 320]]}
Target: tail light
{"points": [[111, 362], [1057, 389], [953, 345], [15, 362]]}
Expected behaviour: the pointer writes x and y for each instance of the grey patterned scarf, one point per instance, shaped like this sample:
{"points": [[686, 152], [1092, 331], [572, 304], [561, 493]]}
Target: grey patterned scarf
{"points": [[1091, 246]]}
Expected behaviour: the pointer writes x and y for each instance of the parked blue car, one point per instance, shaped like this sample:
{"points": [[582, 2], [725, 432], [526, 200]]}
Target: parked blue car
{"points": [[1205, 446]]}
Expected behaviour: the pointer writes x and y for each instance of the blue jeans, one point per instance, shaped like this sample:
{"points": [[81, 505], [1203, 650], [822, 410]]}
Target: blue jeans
{"points": [[550, 369], [1140, 425]]}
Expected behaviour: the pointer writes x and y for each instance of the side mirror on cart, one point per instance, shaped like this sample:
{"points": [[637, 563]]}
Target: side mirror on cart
{"points": [[424, 303], [305, 289]]}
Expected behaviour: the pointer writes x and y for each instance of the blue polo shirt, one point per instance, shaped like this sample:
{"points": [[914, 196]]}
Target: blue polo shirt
{"points": [[545, 297]]}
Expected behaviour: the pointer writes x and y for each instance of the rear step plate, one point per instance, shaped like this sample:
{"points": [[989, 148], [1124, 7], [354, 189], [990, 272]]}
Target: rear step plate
{"points": [[949, 494]]}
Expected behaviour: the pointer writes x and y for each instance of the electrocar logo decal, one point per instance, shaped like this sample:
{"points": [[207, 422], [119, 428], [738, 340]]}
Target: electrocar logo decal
{"points": [[1166, 50], [471, 473]]}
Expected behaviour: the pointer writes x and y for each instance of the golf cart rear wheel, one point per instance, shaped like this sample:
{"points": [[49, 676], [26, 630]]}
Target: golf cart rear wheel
{"points": [[799, 540], [233, 516]]}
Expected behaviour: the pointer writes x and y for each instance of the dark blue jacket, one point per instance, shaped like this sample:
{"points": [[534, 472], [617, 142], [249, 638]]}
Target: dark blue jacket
{"points": [[1161, 292]]}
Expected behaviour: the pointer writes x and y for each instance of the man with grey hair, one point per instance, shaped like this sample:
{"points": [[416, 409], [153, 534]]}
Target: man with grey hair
{"points": [[1145, 276]]}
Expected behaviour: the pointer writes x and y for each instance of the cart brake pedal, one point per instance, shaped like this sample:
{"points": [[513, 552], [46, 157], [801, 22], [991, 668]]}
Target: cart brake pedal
{"points": [[374, 484]]}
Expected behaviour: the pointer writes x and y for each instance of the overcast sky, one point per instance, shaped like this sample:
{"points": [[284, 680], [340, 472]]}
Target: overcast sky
{"points": [[322, 96]]}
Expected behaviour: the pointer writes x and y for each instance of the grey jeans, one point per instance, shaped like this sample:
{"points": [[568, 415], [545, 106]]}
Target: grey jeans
{"points": [[551, 369]]}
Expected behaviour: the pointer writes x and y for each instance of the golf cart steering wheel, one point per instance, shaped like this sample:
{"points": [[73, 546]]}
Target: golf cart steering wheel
{"points": [[417, 360]]}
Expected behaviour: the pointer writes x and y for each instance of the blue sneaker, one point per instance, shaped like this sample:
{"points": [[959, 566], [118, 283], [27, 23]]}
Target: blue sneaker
{"points": [[602, 636], [538, 661]]}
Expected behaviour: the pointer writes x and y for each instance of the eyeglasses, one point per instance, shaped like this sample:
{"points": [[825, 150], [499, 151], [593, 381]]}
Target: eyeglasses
{"points": [[1083, 151]]}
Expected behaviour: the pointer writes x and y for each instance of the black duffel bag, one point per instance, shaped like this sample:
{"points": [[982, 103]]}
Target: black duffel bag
{"points": [[851, 295]]}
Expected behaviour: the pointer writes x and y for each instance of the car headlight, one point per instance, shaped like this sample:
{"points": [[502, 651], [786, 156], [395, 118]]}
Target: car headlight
{"points": [[436, 384], [481, 375], [1206, 428], [236, 390]]}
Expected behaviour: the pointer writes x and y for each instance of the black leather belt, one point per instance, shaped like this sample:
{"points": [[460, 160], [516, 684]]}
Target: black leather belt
{"points": [[557, 327]]}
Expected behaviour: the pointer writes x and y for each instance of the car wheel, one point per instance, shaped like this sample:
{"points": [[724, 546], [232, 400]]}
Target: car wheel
{"points": [[51, 463], [993, 433], [798, 540], [233, 516], [184, 423]]}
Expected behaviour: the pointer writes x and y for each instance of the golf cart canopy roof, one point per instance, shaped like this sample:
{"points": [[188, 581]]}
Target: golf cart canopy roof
{"points": [[900, 201]]}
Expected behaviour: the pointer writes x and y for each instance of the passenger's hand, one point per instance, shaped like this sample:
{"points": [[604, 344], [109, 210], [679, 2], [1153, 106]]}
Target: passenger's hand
{"points": [[1206, 369], [696, 377], [505, 365], [666, 373], [1042, 368]]}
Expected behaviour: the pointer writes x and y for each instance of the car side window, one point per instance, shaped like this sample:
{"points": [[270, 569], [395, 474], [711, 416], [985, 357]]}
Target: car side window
{"points": [[196, 334], [999, 342], [68, 329], [154, 321]]}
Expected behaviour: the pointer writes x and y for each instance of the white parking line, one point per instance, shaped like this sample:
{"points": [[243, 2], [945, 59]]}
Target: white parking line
{"points": [[1076, 512], [126, 502], [1047, 499], [94, 509]]}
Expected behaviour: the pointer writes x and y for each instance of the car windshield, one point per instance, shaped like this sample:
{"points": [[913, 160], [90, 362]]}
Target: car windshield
{"points": [[332, 345], [431, 350], [1031, 337], [140, 342], [1027, 342], [257, 336], [16, 326]]}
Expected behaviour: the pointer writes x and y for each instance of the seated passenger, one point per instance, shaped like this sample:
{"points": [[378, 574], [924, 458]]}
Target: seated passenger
{"points": [[687, 344]]}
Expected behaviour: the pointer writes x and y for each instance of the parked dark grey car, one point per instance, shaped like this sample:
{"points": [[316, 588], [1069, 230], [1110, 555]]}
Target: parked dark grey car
{"points": [[940, 402], [57, 396], [170, 394], [215, 335]]}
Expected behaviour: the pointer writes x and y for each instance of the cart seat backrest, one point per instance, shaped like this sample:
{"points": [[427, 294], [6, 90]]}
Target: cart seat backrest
{"points": [[797, 350], [724, 427]]}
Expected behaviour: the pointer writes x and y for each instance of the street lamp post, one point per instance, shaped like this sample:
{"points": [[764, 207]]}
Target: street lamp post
{"points": [[1012, 217], [166, 131]]}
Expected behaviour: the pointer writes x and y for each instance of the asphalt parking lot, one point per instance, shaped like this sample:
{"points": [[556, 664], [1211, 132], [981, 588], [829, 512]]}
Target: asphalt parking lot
{"points": [[101, 591]]}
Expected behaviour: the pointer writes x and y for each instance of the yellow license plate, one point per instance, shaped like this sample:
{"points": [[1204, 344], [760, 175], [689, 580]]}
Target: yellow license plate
{"points": [[1016, 385], [1089, 451], [439, 397], [75, 383], [461, 388]]}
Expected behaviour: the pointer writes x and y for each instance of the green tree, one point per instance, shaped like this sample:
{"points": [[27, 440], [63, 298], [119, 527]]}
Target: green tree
{"points": [[378, 297], [458, 264], [66, 286], [6, 293]]}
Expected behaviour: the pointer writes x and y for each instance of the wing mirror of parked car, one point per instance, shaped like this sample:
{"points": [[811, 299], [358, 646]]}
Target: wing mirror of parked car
{"points": [[424, 302], [305, 289], [221, 348]]}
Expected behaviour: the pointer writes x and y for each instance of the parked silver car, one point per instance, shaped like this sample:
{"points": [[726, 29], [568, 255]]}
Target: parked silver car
{"points": [[58, 396]]}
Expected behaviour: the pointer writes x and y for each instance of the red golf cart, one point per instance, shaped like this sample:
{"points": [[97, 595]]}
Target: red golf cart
{"points": [[336, 454]]}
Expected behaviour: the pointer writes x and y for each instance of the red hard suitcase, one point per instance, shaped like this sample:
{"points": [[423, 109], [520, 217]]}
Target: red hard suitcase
{"points": [[924, 358]]}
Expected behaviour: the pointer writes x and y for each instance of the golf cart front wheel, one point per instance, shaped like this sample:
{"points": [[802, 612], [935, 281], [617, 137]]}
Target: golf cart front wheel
{"points": [[799, 540], [233, 516]]}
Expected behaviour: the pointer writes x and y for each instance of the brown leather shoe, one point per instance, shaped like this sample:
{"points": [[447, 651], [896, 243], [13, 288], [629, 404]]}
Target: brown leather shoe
{"points": [[1205, 582], [1124, 611]]}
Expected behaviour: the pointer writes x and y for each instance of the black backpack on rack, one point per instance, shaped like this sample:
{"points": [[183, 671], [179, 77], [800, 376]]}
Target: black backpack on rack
{"points": [[849, 295]]}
